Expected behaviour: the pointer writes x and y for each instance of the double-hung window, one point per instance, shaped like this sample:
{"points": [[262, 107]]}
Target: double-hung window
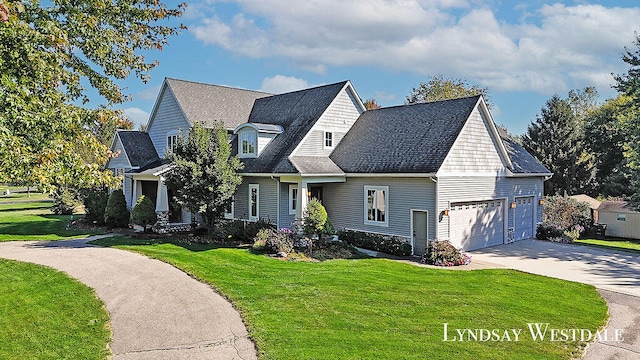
{"points": [[248, 144], [376, 205], [328, 139], [254, 202], [293, 199]]}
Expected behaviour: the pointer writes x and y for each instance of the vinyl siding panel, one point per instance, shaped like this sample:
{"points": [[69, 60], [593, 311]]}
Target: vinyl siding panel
{"points": [[120, 161], [630, 228], [478, 188], [338, 118], [345, 204], [285, 218], [167, 118], [475, 151], [267, 202], [127, 189]]}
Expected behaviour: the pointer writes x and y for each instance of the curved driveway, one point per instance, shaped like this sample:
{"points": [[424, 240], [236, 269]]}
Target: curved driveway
{"points": [[157, 311], [616, 275]]}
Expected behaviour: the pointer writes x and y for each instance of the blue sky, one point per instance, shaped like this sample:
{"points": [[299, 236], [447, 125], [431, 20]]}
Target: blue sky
{"points": [[523, 51]]}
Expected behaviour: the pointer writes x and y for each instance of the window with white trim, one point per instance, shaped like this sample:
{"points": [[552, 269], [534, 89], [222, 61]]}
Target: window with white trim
{"points": [[328, 139], [622, 217], [248, 144], [254, 202], [172, 140], [376, 205], [293, 199], [228, 212]]}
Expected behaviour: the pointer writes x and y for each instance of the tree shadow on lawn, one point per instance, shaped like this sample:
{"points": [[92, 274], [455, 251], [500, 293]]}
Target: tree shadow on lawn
{"points": [[36, 207], [144, 240], [53, 225], [617, 267]]}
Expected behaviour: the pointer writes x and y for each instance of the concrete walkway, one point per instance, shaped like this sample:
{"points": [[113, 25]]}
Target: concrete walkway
{"points": [[616, 275], [157, 311]]}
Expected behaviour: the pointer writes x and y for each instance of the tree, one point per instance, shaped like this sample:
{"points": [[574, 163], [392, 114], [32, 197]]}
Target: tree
{"points": [[204, 175], [48, 50], [315, 218], [371, 104], [629, 84], [143, 213], [440, 88], [116, 213], [555, 142]]}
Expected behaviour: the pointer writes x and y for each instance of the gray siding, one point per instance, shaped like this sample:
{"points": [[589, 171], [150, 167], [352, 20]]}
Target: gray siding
{"points": [[345, 204], [478, 188], [167, 118], [475, 150], [285, 218], [338, 118], [267, 202], [120, 161]]}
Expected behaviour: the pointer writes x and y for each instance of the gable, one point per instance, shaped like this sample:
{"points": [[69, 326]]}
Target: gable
{"points": [[476, 150], [337, 119], [120, 161], [166, 119]]}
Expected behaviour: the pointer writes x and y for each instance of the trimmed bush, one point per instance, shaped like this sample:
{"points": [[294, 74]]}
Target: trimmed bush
{"points": [[95, 203], [315, 218], [239, 231], [116, 213], [386, 244], [143, 213], [328, 228], [443, 253], [64, 202], [272, 242]]}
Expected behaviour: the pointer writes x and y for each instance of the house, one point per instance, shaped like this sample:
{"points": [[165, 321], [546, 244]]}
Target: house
{"points": [[439, 170], [594, 204], [622, 219]]}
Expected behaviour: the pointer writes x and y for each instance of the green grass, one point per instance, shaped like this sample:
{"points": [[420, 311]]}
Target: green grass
{"points": [[33, 220], [44, 314], [381, 309], [613, 244]]}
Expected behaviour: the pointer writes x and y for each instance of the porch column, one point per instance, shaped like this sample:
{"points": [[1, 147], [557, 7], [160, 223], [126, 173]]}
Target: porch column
{"points": [[303, 199], [137, 191], [162, 203]]}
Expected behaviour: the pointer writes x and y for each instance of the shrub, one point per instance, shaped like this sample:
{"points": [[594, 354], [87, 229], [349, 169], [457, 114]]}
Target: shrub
{"points": [[143, 213], [315, 218], [239, 231], [547, 232], [95, 203], [64, 201], [328, 228], [271, 241], [443, 253], [387, 244], [116, 213], [565, 212]]}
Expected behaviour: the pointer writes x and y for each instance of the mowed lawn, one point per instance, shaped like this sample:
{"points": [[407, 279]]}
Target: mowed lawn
{"points": [[613, 243], [44, 314], [381, 309], [30, 218]]}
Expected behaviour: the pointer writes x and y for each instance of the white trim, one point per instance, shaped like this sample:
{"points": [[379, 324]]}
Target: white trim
{"points": [[292, 187], [376, 188], [395, 175], [411, 212], [230, 215], [257, 215], [245, 136], [494, 132]]}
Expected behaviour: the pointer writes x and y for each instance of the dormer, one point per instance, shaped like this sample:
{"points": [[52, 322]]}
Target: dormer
{"points": [[254, 137]]}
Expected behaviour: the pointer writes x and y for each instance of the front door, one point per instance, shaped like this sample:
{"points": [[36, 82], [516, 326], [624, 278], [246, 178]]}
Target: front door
{"points": [[420, 232], [315, 192]]}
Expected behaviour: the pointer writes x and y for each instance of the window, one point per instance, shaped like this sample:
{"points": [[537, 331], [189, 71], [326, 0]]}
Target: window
{"points": [[120, 172], [376, 205], [248, 144], [328, 139], [254, 202], [172, 140], [622, 217], [293, 199], [228, 212]]}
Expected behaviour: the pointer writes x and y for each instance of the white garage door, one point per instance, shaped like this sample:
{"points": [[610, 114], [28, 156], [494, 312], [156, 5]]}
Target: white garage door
{"points": [[475, 225], [524, 218]]}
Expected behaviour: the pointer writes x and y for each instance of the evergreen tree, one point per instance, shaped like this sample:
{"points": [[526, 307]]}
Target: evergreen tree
{"points": [[204, 174]]}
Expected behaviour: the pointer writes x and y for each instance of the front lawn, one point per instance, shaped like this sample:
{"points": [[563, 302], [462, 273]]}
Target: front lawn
{"points": [[382, 309], [613, 244], [44, 314], [32, 220]]}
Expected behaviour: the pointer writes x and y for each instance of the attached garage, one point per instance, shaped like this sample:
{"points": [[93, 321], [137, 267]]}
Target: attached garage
{"points": [[477, 224], [524, 215]]}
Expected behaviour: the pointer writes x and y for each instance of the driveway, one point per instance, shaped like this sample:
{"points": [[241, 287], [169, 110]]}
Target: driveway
{"points": [[616, 275], [157, 311]]}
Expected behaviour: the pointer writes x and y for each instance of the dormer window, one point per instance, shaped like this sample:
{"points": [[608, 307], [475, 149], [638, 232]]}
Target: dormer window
{"points": [[248, 143], [328, 140]]}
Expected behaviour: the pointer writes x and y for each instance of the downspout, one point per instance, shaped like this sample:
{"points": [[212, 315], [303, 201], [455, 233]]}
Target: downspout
{"points": [[277, 201]]}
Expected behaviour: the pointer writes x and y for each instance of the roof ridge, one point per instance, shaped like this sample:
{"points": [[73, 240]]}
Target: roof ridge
{"points": [[427, 103], [219, 86], [344, 82]]}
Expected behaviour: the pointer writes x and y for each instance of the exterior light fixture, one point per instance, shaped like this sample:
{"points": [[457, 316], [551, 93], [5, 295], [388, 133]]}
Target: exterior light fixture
{"points": [[513, 205], [541, 202]]}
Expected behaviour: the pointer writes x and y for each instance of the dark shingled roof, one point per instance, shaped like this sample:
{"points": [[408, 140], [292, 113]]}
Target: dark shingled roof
{"points": [[138, 146], [315, 165], [523, 162], [208, 103], [296, 112], [403, 139]]}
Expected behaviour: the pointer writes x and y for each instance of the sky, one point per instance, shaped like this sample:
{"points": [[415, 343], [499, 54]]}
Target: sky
{"points": [[524, 52]]}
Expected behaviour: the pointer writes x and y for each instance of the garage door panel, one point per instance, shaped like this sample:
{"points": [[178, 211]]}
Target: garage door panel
{"points": [[524, 223], [475, 225]]}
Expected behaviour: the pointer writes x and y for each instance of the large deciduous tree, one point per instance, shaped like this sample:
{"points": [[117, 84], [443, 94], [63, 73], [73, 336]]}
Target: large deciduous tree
{"points": [[440, 88], [204, 174], [48, 50], [554, 139]]}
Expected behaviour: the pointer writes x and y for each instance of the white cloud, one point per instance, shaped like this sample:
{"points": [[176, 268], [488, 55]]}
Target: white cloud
{"points": [[281, 84], [147, 94], [547, 49], [137, 115]]}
